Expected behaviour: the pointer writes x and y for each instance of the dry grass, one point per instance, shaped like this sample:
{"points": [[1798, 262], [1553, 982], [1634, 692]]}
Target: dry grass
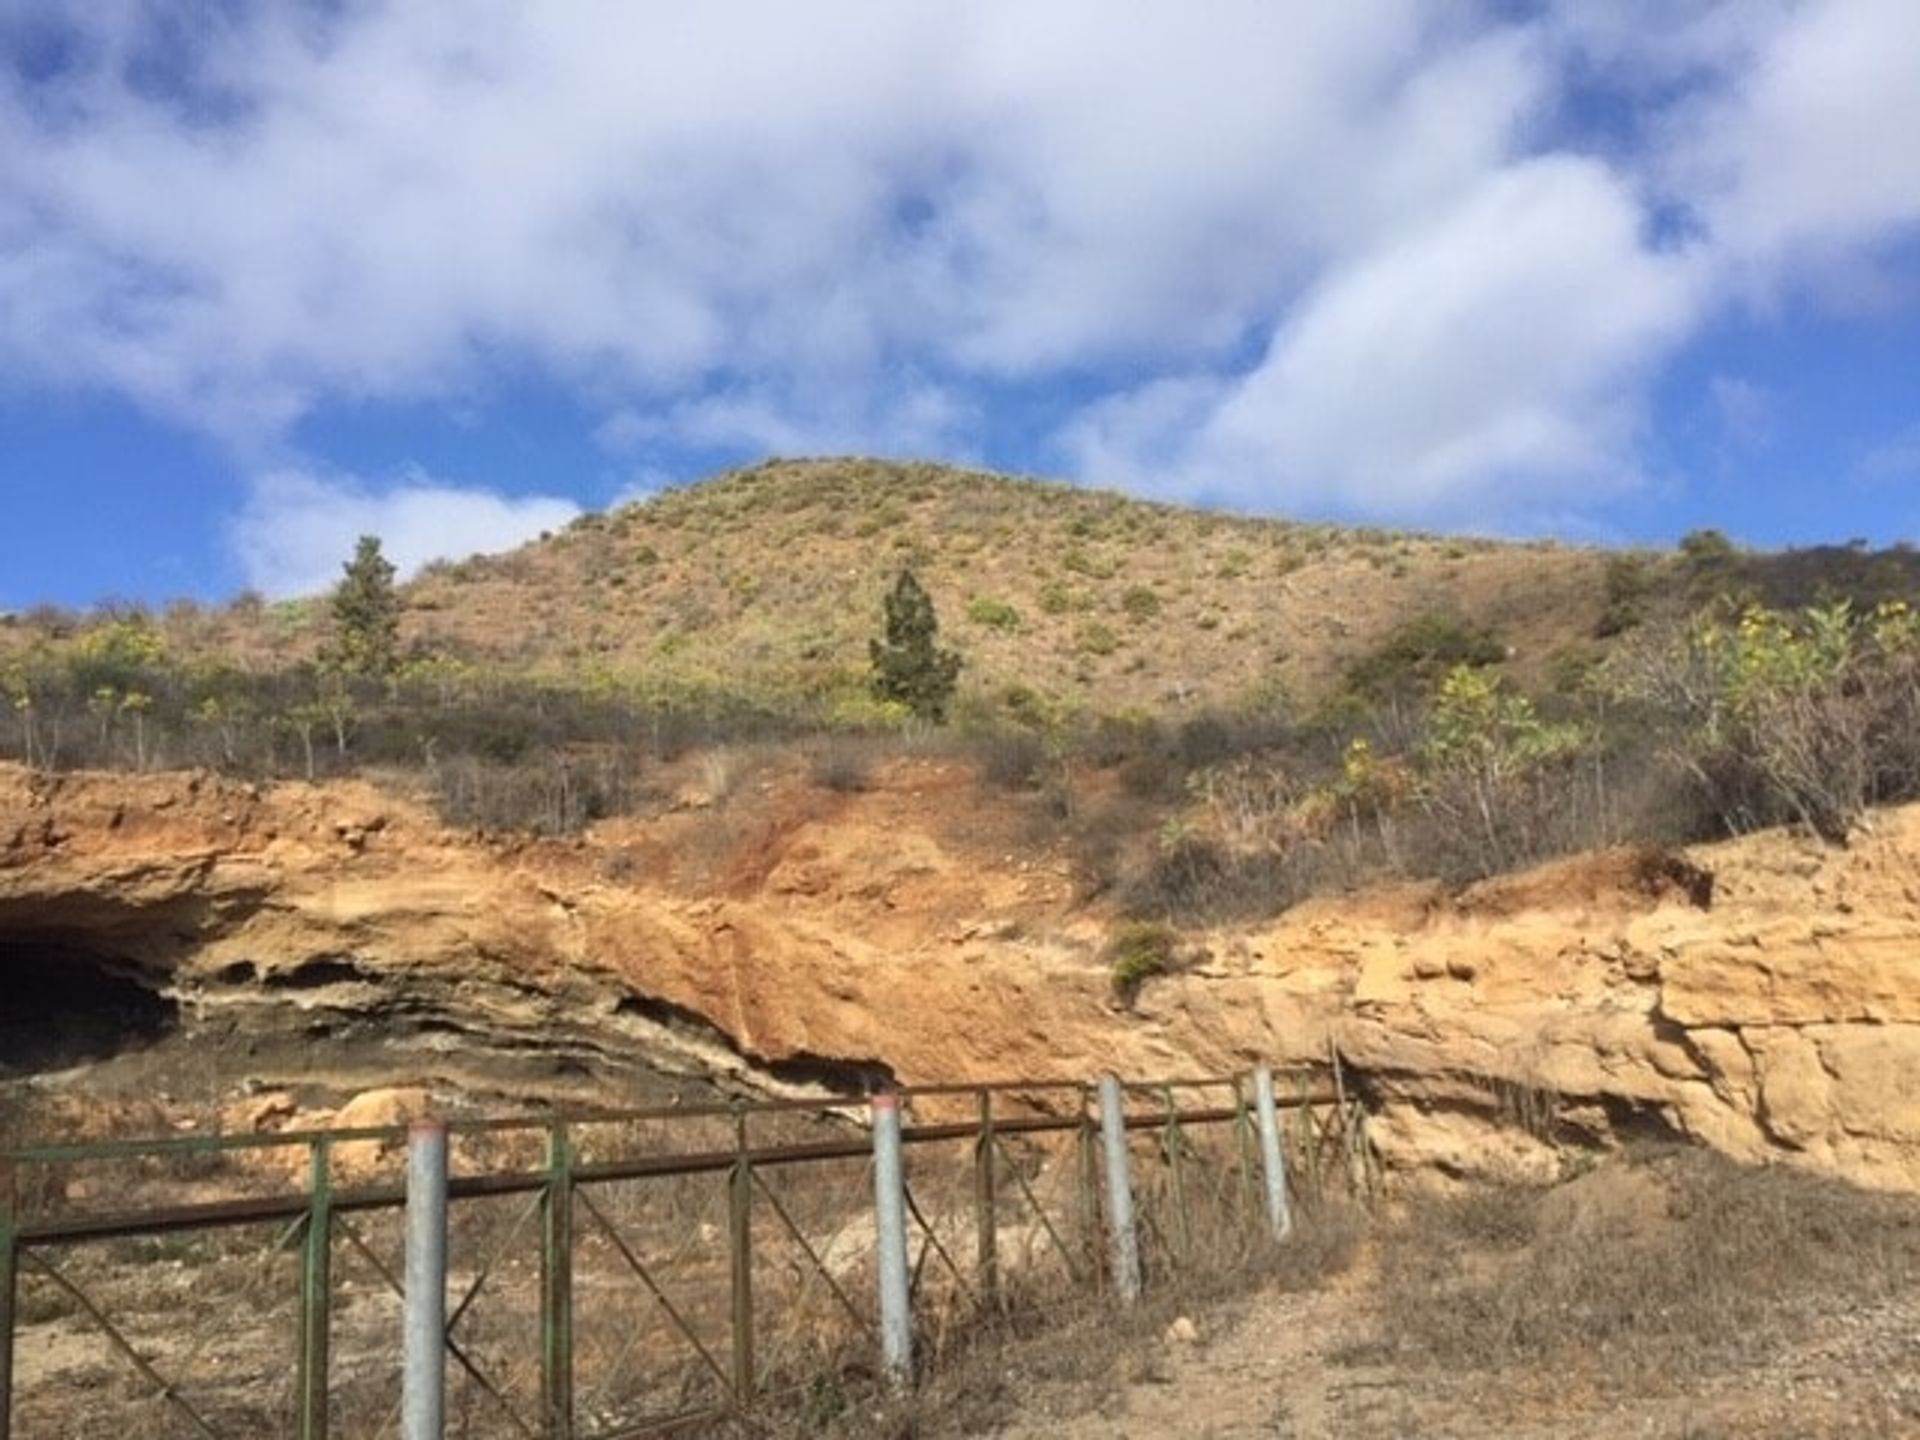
{"points": [[1077, 1349], [767, 581], [1662, 1270]]}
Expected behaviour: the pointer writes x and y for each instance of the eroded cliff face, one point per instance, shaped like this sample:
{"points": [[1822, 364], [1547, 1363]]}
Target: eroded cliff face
{"points": [[1759, 996]]}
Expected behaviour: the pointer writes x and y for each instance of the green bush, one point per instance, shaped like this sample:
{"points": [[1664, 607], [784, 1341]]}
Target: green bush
{"points": [[1707, 547], [1140, 603], [1139, 950], [1414, 657], [1781, 715], [1628, 585], [992, 613], [1094, 567], [1096, 639]]}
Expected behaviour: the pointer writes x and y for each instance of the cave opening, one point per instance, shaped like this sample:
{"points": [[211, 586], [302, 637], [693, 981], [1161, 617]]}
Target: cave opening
{"points": [[68, 1002]]}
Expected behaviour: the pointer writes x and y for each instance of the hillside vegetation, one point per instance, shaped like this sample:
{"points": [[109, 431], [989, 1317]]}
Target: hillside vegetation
{"points": [[1224, 713]]}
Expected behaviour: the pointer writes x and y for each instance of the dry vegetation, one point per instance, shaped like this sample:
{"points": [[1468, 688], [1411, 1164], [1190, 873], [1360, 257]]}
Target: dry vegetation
{"points": [[1674, 1295], [1218, 714]]}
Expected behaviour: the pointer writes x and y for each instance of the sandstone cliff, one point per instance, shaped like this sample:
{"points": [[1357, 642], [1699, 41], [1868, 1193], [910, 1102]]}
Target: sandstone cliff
{"points": [[1759, 996]]}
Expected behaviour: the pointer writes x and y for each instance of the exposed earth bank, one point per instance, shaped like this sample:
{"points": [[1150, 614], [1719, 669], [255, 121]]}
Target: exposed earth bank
{"points": [[1761, 996]]}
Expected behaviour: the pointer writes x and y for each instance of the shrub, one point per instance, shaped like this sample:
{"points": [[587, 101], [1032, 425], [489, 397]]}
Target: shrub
{"points": [[1627, 587], [555, 794], [1055, 598], [992, 613], [843, 764], [1493, 771], [1094, 567], [1096, 639], [1197, 881], [1808, 715], [1140, 603], [1414, 657], [1012, 759], [1706, 547], [1139, 950]]}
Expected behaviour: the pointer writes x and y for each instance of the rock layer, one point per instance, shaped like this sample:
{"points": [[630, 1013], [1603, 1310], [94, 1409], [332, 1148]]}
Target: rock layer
{"points": [[1761, 996]]}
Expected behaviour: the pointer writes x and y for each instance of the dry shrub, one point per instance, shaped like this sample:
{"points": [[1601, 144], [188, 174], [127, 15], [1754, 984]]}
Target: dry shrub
{"points": [[555, 793], [1068, 1352], [1666, 1268], [844, 764], [1011, 759]]}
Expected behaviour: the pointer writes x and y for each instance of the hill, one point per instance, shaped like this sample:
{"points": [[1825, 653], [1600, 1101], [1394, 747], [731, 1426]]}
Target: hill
{"points": [[767, 581], [1222, 713], [771, 578]]}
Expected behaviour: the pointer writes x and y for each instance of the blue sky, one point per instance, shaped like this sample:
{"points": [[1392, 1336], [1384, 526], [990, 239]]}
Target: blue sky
{"points": [[272, 275]]}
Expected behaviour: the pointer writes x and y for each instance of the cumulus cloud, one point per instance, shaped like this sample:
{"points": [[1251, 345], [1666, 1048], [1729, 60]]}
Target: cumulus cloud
{"points": [[1343, 255], [297, 527], [1005, 187], [1806, 158], [1494, 346]]}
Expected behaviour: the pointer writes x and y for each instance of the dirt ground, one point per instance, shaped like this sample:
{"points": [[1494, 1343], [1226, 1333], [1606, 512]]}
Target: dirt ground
{"points": [[1676, 1297], [1294, 1367]]}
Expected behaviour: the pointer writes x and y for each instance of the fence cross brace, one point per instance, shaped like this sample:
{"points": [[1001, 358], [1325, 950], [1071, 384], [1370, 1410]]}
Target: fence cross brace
{"points": [[454, 1348], [653, 1288], [1040, 1214], [819, 1265], [165, 1388]]}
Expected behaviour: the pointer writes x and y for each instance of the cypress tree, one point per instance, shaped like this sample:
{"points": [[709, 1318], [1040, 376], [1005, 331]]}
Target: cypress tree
{"points": [[366, 615], [909, 667]]}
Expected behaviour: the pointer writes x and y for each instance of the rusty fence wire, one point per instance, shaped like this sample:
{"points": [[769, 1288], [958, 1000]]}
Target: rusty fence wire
{"points": [[610, 1273]]}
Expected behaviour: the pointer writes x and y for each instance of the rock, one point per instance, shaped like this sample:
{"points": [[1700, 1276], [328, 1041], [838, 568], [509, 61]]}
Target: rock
{"points": [[355, 1161], [258, 1114], [1183, 1331]]}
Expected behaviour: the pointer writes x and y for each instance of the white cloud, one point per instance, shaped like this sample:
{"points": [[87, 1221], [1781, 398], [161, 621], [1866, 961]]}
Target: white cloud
{"points": [[652, 208], [864, 225], [1489, 354], [297, 528], [1807, 159]]}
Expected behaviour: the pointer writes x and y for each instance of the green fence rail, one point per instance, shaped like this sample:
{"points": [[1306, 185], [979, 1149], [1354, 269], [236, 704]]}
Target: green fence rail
{"points": [[687, 1262]]}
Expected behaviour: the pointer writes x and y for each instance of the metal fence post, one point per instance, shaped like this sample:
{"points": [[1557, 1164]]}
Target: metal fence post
{"points": [[556, 1286], [424, 1384], [8, 1283], [740, 1258], [1173, 1142], [890, 1231], [1087, 1159], [1273, 1161], [1243, 1146], [986, 1217], [1120, 1232], [316, 1293]]}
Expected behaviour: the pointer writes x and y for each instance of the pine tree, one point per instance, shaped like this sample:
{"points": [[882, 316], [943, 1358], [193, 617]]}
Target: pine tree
{"points": [[366, 615], [909, 667]]}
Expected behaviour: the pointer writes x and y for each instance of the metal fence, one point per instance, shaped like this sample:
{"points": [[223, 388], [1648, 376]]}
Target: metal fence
{"points": [[610, 1273]]}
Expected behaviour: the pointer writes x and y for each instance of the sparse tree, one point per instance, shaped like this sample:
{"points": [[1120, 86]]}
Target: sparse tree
{"points": [[366, 616], [909, 667]]}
